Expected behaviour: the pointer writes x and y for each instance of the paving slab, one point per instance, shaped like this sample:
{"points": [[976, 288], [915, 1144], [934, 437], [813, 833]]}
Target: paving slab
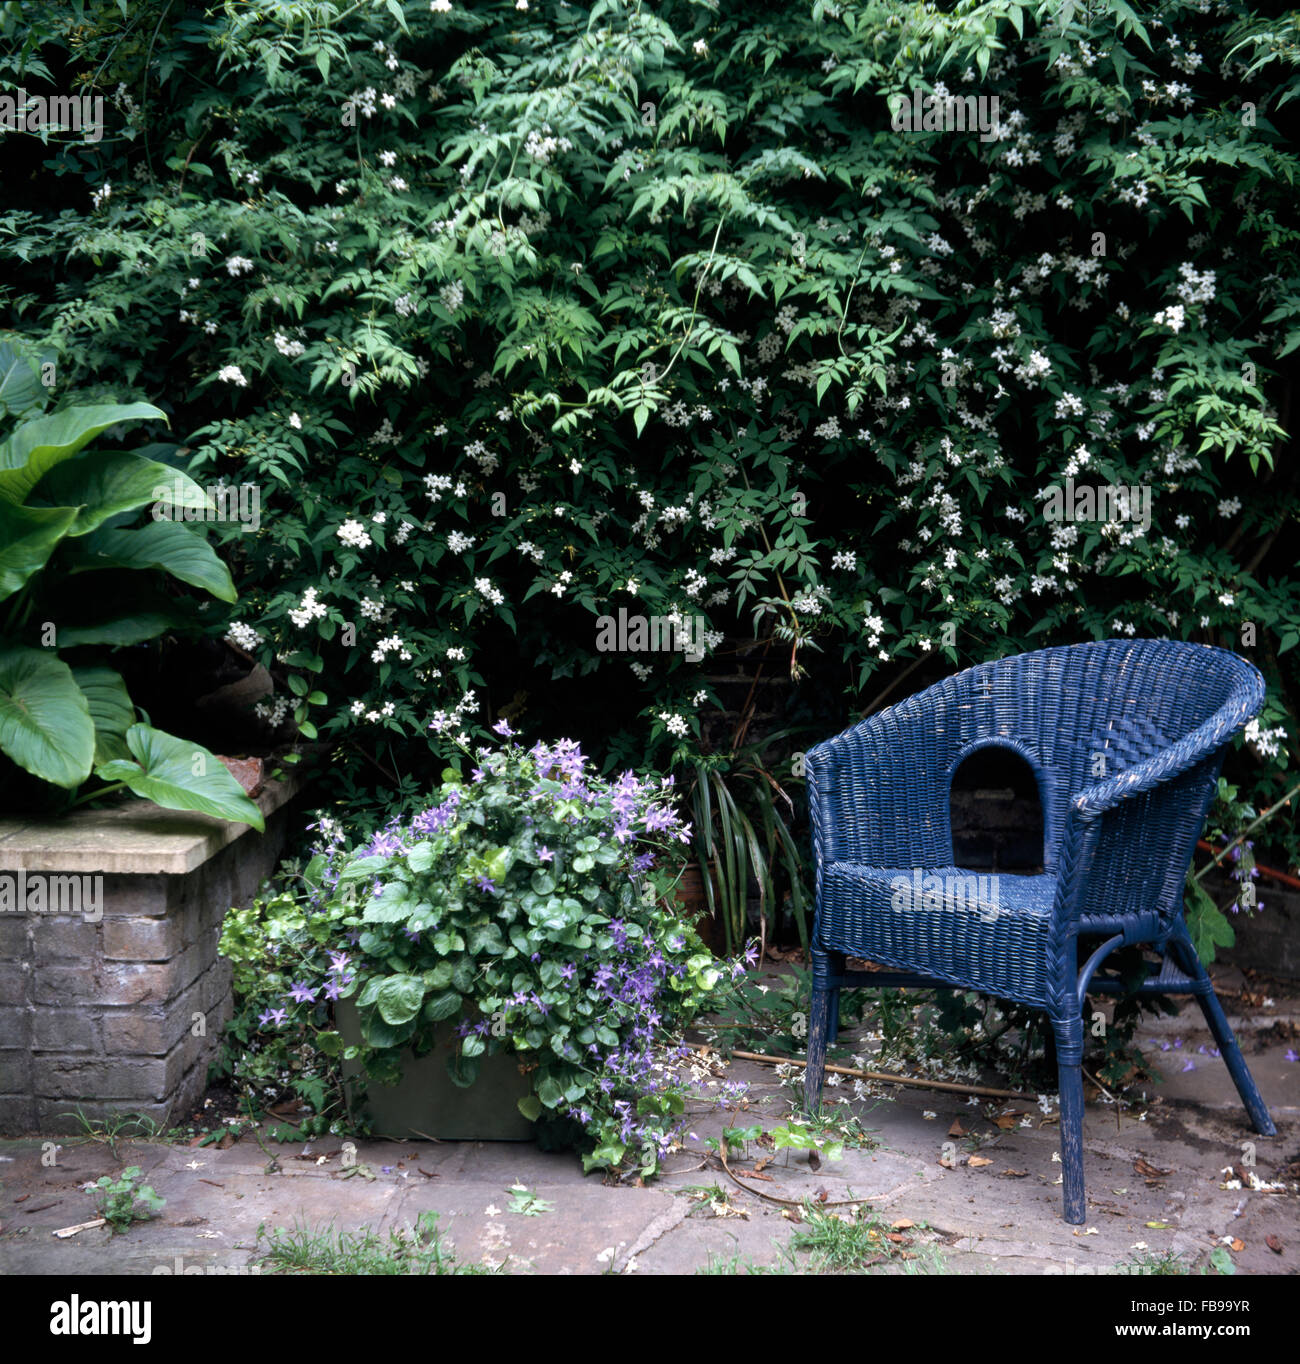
{"points": [[1155, 1183]]}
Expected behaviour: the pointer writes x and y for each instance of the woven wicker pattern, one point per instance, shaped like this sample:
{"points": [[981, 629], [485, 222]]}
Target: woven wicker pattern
{"points": [[1127, 731], [1125, 739], [876, 913]]}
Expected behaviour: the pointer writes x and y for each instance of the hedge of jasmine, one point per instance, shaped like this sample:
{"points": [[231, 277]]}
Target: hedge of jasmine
{"points": [[520, 314]]}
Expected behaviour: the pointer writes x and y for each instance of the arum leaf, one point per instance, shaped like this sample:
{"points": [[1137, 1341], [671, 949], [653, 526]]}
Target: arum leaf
{"points": [[45, 724], [180, 775]]}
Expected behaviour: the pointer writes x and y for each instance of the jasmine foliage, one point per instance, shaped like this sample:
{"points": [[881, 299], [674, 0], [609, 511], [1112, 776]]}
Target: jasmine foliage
{"points": [[123, 1200], [519, 907], [524, 315]]}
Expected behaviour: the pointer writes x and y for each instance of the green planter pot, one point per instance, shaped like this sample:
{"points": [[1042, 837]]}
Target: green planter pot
{"points": [[427, 1104]]}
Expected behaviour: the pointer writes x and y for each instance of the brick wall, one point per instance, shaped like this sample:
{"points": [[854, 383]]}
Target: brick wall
{"points": [[123, 1015]]}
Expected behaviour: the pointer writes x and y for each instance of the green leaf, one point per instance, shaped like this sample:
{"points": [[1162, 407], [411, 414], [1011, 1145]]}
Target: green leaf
{"points": [[180, 775], [38, 445], [45, 724], [111, 710], [462, 1069], [20, 387], [379, 1033], [549, 1092], [498, 863], [445, 1005], [28, 536], [420, 857], [608, 1156], [399, 998], [531, 1107], [132, 629], [1207, 925], [166, 545], [486, 939], [105, 483]]}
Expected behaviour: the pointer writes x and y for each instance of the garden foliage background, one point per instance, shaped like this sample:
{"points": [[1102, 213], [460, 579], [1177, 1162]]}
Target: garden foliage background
{"points": [[520, 313]]}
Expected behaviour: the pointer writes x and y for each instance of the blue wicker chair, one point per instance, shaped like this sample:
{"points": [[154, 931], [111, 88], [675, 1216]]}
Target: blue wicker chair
{"points": [[1125, 739]]}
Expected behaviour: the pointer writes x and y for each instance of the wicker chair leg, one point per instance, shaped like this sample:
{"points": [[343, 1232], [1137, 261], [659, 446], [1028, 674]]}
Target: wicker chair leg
{"points": [[1069, 1052], [833, 1026], [1233, 1059], [818, 1028]]}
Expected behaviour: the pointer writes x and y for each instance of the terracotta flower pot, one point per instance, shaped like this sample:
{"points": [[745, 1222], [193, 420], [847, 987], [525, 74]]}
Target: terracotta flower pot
{"points": [[692, 898]]}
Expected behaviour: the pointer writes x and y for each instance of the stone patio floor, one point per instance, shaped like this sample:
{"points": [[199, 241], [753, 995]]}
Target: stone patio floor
{"points": [[1003, 1217]]}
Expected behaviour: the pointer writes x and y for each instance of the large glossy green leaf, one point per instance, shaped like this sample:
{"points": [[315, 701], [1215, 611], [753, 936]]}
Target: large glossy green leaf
{"points": [[45, 724], [118, 606], [20, 388], [111, 710], [28, 536], [399, 999], [132, 629], [105, 483], [37, 446], [181, 775], [168, 545]]}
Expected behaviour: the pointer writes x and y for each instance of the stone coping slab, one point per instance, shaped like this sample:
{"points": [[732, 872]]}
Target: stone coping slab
{"points": [[133, 838]]}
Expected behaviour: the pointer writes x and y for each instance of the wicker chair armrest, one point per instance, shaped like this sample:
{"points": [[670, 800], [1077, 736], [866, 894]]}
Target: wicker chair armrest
{"points": [[1214, 734]]}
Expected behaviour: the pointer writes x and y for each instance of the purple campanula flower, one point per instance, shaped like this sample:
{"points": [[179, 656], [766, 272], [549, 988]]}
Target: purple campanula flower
{"points": [[544, 854], [302, 993], [383, 845], [486, 884], [1291, 1055], [1191, 1065], [502, 727], [339, 960], [272, 1016]]}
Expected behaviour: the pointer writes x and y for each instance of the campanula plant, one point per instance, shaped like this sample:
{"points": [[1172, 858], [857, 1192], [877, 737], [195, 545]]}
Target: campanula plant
{"points": [[523, 905]]}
